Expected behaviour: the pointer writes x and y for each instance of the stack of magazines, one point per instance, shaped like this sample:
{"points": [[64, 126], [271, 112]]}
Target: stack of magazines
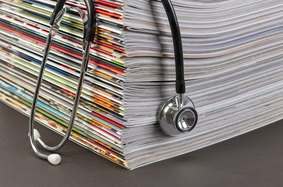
{"points": [[233, 52]]}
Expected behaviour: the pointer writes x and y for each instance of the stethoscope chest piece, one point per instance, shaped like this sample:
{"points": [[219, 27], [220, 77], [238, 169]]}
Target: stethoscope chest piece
{"points": [[177, 115]]}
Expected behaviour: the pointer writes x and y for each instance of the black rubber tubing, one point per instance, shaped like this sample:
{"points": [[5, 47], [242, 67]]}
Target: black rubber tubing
{"points": [[178, 48]]}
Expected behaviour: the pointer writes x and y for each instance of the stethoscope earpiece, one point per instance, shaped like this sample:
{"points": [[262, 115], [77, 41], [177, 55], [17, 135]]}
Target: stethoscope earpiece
{"points": [[177, 115], [54, 159], [36, 135]]}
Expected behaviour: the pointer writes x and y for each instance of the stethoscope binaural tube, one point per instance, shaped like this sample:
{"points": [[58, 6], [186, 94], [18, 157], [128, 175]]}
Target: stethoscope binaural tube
{"points": [[89, 23], [177, 114]]}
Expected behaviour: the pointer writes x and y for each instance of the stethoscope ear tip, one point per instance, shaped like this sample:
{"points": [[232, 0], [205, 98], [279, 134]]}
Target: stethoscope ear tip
{"points": [[54, 159], [36, 135]]}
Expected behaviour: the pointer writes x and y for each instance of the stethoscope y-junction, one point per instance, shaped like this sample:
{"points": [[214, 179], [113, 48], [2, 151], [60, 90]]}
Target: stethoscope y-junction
{"points": [[177, 114]]}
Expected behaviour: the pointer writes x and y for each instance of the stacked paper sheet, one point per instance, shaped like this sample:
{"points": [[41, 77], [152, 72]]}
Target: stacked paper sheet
{"points": [[233, 70]]}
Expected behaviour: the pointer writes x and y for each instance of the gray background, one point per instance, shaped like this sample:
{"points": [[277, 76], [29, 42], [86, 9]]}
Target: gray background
{"points": [[253, 159]]}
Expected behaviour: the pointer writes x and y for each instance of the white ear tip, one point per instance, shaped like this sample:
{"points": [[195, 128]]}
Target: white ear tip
{"points": [[54, 159], [36, 134]]}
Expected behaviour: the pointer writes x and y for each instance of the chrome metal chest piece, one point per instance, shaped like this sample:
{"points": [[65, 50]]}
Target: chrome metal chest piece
{"points": [[177, 115]]}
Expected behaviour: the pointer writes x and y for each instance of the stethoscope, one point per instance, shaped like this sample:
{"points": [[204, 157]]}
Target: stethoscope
{"points": [[177, 114], [89, 23]]}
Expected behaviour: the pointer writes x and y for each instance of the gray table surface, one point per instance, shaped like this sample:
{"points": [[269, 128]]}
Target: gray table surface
{"points": [[253, 159]]}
